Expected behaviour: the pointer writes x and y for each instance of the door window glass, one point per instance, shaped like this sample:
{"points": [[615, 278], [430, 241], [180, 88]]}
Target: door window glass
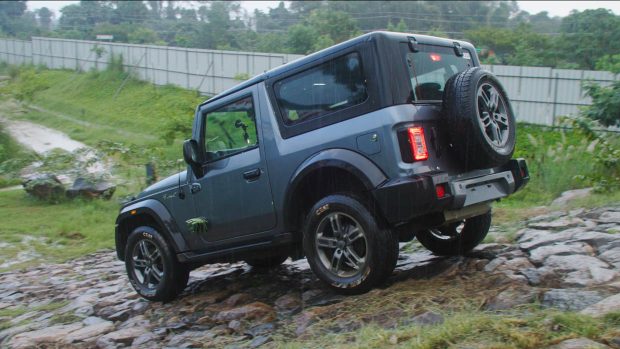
{"points": [[230, 129]]}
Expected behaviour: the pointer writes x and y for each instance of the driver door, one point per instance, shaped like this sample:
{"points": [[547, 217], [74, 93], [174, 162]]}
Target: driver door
{"points": [[234, 195]]}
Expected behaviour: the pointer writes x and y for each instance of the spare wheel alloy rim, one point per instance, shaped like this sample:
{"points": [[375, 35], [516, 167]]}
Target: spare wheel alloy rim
{"points": [[341, 244], [492, 115]]}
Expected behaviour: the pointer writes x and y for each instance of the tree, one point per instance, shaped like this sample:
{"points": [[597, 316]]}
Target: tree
{"points": [[605, 106], [10, 12], [588, 34], [45, 17]]}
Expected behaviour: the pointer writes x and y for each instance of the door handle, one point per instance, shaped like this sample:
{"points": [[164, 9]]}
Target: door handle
{"points": [[252, 174], [195, 187]]}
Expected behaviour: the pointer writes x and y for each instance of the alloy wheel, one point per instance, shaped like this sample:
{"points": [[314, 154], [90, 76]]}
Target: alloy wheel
{"points": [[341, 244], [148, 266], [493, 115]]}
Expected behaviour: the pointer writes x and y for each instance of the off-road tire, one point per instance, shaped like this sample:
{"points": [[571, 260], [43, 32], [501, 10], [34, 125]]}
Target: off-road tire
{"points": [[267, 262], [175, 275], [447, 241], [381, 245], [463, 118]]}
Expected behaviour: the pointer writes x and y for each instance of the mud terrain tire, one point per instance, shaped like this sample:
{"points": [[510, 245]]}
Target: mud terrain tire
{"points": [[479, 118], [450, 241], [340, 225]]}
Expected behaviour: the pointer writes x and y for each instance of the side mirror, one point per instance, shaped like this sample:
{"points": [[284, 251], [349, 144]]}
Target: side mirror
{"points": [[191, 155]]}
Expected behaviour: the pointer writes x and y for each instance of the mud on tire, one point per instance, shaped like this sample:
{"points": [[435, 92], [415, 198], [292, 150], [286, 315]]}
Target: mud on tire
{"points": [[346, 246], [479, 118]]}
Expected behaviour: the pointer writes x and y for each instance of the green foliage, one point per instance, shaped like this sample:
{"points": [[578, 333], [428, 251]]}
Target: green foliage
{"points": [[12, 159], [605, 106], [28, 82], [610, 63], [605, 176]]}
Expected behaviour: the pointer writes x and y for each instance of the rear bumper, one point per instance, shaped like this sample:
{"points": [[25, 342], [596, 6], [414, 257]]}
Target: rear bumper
{"points": [[403, 199]]}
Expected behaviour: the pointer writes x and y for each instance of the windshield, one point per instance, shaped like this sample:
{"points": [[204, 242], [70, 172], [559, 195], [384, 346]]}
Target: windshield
{"points": [[431, 67]]}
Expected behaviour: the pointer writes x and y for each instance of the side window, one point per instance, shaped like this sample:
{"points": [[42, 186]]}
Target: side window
{"points": [[230, 129], [331, 86]]}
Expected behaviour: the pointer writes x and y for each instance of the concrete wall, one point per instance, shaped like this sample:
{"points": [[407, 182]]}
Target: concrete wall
{"points": [[538, 94]]}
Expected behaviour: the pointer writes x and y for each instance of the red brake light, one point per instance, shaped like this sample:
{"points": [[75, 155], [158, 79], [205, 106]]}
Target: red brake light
{"points": [[435, 57], [418, 143], [440, 190]]}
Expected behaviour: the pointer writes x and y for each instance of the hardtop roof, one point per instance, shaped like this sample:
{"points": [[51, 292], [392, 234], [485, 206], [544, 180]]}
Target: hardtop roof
{"points": [[376, 35]]}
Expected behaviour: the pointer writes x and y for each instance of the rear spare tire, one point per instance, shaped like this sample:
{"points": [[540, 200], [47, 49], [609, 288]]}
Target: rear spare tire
{"points": [[479, 119]]}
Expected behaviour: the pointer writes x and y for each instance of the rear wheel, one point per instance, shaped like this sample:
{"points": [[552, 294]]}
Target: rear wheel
{"points": [[345, 246], [152, 267], [456, 238]]}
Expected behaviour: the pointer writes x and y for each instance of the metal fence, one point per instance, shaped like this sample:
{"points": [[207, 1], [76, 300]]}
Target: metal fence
{"points": [[538, 94]]}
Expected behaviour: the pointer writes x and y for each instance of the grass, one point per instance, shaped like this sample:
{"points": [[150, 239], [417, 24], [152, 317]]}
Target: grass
{"points": [[62, 231], [474, 329], [12, 158]]}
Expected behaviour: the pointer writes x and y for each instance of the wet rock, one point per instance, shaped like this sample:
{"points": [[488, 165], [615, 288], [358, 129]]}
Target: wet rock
{"points": [[571, 195], [511, 298], [44, 186], [258, 341], [144, 338], [426, 319], [570, 299], [581, 270], [307, 318], [531, 239], [260, 329], [604, 307], [91, 320], [89, 331], [578, 343], [124, 336], [610, 217], [538, 255], [53, 334], [558, 224], [596, 239], [252, 311], [237, 299], [88, 188], [288, 302]]}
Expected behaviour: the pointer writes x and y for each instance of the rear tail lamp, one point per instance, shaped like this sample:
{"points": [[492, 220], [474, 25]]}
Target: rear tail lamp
{"points": [[440, 190], [418, 143]]}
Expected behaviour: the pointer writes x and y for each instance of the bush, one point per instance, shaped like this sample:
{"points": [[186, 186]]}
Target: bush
{"points": [[605, 106]]}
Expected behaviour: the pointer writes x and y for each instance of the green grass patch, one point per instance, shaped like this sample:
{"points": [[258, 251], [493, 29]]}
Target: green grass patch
{"points": [[53, 232], [467, 329]]}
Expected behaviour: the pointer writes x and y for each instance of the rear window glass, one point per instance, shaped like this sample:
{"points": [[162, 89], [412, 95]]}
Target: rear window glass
{"points": [[431, 67], [331, 86]]}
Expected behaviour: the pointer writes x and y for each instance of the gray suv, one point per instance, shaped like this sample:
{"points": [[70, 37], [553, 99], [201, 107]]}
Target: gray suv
{"points": [[336, 157]]}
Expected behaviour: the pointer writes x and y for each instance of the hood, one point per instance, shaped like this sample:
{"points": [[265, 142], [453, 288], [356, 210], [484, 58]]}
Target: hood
{"points": [[170, 182]]}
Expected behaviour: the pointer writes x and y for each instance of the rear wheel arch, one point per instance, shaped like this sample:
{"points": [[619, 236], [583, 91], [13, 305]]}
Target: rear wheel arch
{"points": [[329, 172]]}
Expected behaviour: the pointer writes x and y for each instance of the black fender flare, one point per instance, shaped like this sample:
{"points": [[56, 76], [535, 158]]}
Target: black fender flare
{"points": [[356, 164], [155, 211]]}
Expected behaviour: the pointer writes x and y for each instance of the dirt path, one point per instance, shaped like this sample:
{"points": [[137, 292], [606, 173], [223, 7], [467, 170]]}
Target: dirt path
{"points": [[39, 138]]}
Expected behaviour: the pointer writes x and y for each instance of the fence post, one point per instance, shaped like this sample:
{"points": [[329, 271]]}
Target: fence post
{"points": [[555, 99], [187, 67]]}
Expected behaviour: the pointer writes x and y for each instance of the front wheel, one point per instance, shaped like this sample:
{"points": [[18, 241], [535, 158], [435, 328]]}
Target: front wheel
{"points": [[345, 246], [456, 238], [152, 267]]}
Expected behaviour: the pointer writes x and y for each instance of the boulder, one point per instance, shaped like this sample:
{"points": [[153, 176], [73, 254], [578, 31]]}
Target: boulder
{"points": [[89, 189], [570, 299], [571, 195], [578, 343], [512, 297], [538, 255], [53, 334], [604, 307], [44, 186], [90, 331]]}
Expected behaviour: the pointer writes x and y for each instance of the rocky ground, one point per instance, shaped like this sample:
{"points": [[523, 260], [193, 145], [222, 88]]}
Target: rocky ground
{"points": [[566, 260]]}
